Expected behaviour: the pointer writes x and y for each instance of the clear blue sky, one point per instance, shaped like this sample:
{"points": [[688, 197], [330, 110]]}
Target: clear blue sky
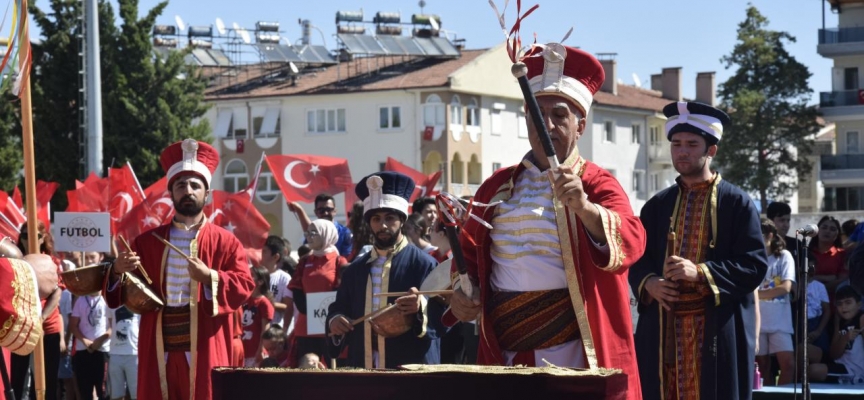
{"points": [[648, 35]]}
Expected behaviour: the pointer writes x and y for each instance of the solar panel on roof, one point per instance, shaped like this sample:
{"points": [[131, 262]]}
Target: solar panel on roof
{"points": [[219, 56], [428, 47], [191, 60], [411, 47], [203, 57], [161, 52], [352, 43], [372, 46], [316, 55], [389, 43], [288, 53], [446, 47], [270, 52]]}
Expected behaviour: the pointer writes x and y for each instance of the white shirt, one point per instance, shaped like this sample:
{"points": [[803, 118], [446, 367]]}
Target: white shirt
{"points": [[777, 312], [816, 295], [279, 280], [124, 335], [177, 284], [92, 312]]}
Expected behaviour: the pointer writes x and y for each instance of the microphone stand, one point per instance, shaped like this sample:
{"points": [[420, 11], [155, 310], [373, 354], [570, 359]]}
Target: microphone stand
{"points": [[802, 316]]}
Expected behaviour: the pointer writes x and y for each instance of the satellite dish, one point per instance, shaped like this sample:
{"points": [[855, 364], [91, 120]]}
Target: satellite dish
{"points": [[636, 81], [434, 24], [293, 67], [236, 27], [220, 26], [245, 36], [179, 22]]}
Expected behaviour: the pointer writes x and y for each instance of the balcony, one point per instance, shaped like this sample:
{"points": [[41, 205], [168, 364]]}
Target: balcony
{"points": [[835, 42], [659, 153], [842, 170], [841, 98]]}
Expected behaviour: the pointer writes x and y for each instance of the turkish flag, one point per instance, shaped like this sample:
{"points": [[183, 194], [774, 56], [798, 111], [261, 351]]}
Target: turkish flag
{"points": [[428, 132], [44, 193], [88, 196], [11, 217], [235, 212], [155, 210], [123, 192], [301, 177], [424, 184]]}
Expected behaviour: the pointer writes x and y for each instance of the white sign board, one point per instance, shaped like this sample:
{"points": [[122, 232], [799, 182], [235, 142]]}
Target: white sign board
{"points": [[80, 231], [316, 311]]}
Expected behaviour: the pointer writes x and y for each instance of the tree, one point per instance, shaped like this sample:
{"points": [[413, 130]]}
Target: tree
{"points": [[11, 154], [764, 151], [147, 102]]}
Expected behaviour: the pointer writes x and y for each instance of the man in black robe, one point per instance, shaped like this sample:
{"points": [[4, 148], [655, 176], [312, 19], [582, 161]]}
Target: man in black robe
{"points": [[704, 280], [409, 333]]}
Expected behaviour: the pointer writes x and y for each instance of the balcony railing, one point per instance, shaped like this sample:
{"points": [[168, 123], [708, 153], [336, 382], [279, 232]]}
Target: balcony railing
{"points": [[842, 161], [841, 35], [841, 98]]}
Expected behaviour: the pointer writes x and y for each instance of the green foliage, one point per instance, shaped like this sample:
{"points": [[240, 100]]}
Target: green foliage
{"points": [[147, 102], [11, 160], [767, 97]]}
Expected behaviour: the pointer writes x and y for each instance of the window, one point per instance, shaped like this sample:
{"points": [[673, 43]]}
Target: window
{"points": [[239, 123], [224, 116], [496, 166], [236, 176], [654, 182], [636, 134], [325, 120], [389, 117], [609, 131], [433, 111], [472, 114], [496, 121], [638, 176], [520, 123], [654, 132], [456, 111], [265, 122], [852, 142], [850, 80], [267, 190]]}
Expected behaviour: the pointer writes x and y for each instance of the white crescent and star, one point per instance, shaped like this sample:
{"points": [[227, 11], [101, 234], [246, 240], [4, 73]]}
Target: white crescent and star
{"points": [[126, 200], [288, 178]]}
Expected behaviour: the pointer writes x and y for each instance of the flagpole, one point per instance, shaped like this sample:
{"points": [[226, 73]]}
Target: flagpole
{"points": [[30, 183]]}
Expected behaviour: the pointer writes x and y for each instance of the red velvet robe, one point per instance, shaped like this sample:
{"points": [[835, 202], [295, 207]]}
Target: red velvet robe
{"points": [[212, 327], [598, 288]]}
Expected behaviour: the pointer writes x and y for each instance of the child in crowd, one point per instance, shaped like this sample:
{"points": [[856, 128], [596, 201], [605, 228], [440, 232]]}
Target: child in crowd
{"points": [[818, 313], [847, 344], [89, 324], [257, 314], [276, 346], [775, 336], [123, 361], [310, 361]]}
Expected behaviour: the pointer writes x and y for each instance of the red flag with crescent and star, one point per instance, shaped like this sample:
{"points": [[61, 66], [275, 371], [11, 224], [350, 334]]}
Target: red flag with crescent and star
{"points": [[424, 185], [301, 177], [236, 213], [11, 217], [88, 196], [155, 210], [124, 192]]}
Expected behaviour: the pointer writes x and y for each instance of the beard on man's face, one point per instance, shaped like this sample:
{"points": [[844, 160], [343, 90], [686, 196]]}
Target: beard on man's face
{"points": [[385, 239], [188, 206]]}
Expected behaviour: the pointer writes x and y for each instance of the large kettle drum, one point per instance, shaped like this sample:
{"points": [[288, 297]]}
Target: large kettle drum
{"points": [[87, 280], [137, 296]]}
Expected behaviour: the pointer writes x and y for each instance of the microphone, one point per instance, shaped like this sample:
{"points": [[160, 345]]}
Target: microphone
{"points": [[808, 231]]}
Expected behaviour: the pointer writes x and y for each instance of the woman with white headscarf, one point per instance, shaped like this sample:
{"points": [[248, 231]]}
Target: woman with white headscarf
{"points": [[316, 272]]}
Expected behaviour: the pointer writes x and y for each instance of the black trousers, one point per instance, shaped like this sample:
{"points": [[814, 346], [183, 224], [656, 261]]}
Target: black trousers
{"points": [[90, 373], [21, 365]]}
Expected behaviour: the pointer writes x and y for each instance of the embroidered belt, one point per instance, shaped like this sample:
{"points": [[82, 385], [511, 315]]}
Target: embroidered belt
{"points": [[525, 321], [175, 328], [692, 298]]}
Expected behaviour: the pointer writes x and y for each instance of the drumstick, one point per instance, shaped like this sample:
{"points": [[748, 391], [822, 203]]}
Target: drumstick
{"points": [[373, 314], [173, 247], [139, 266], [426, 292]]}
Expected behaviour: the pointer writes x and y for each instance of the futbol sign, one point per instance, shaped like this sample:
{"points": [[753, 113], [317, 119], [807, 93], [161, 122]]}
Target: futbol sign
{"points": [[77, 231]]}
